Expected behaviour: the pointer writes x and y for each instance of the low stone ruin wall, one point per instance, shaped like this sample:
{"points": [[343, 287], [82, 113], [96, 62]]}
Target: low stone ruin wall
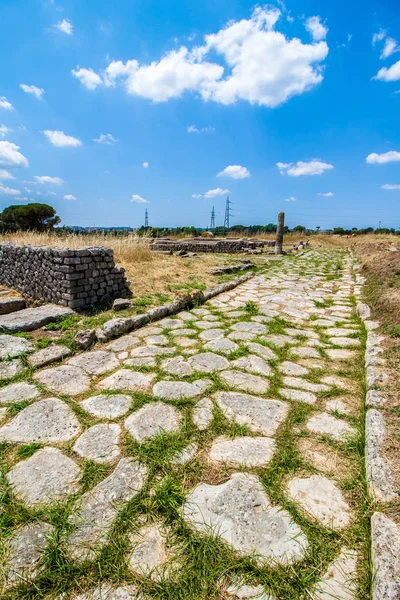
{"points": [[223, 246], [74, 278]]}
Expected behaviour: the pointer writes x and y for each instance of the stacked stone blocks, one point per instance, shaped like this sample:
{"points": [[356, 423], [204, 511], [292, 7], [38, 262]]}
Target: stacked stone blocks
{"points": [[74, 278]]}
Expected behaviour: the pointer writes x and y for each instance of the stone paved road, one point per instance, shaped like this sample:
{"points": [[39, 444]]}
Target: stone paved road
{"points": [[211, 455]]}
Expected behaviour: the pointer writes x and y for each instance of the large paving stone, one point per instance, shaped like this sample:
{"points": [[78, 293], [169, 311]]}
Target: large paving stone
{"points": [[106, 591], [297, 382], [49, 420], [95, 363], [260, 415], [18, 392], [153, 419], [208, 324], [11, 346], [128, 380], [340, 579], [45, 476], [29, 319], [245, 382], [107, 407], [290, 368], [385, 558], [247, 451], [25, 550], [252, 364], [250, 327], [239, 511], [9, 304], [151, 351], [177, 366], [10, 368], [321, 499], [177, 390], [326, 424], [124, 343], [96, 510], [149, 554], [211, 334], [248, 592], [65, 379], [378, 471], [208, 362], [298, 395], [344, 342], [261, 350], [48, 355], [203, 413], [99, 443], [222, 345]]}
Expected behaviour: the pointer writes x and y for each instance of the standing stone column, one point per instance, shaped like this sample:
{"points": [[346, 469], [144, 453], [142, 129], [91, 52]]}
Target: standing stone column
{"points": [[279, 233]]}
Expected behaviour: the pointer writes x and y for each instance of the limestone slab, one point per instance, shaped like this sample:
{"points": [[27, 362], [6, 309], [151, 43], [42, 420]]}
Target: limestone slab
{"points": [[149, 553], [378, 471], [49, 420], [245, 381], [246, 451], [339, 354], [203, 413], [18, 392], [239, 511], [263, 351], [344, 341], [208, 362], [302, 384], [298, 395], [96, 362], [29, 319], [340, 579], [321, 499], [106, 591], [385, 558], [46, 356], [242, 336], [186, 455], [326, 424], [10, 368], [97, 508], [153, 419], [25, 551], [177, 366], [65, 379], [291, 368], [107, 407], [251, 327], [141, 361], [99, 443], [177, 390], [211, 334], [45, 476], [144, 351], [253, 364], [222, 345], [11, 346], [127, 380], [124, 343], [305, 352], [260, 415]]}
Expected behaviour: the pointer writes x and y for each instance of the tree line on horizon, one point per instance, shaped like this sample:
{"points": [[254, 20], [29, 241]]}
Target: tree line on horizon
{"points": [[43, 217]]}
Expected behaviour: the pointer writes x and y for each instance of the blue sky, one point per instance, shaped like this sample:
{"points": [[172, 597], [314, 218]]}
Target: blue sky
{"points": [[109, 108]]}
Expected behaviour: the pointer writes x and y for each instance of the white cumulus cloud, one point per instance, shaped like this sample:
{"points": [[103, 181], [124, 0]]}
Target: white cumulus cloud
{"points": [[389, 48], [65, 26], [7, 191], [4, 103], [314, 167], [194, 129], [390, 186], [389, 74], [5, 175], [215, 193], [196, 196], [59, 138], [316, 28], [386, 157], [47, 179], [259, 65], [4, 130], [379, 36], [10, 155], [326, 194], [32, 89], [145, 165], [138, 199], [106, 138], [88, 78], [291, 199], [69, 197], [235, 172]]}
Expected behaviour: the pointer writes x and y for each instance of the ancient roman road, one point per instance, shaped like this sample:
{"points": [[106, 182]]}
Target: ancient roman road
{"points": [[215, 454]]}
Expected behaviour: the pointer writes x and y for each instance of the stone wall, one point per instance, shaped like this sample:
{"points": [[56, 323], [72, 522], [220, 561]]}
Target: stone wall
{"points": [[74, 278], [223, 246]]}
